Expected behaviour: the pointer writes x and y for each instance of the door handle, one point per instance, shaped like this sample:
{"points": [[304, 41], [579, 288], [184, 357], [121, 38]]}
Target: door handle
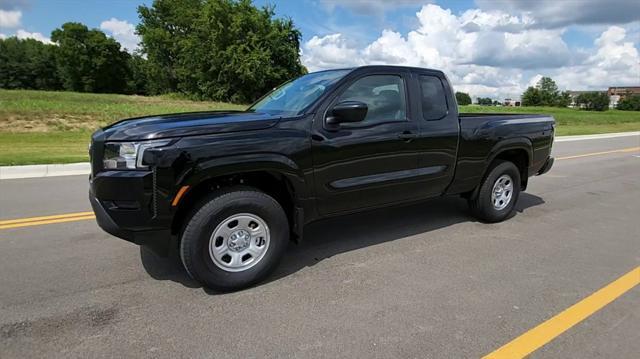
{"points": [[407, 136]]}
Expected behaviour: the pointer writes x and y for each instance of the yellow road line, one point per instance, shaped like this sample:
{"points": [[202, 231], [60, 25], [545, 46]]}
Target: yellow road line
{"points": [[37, 219], [51, 221], [630, 149], [547, 331]]}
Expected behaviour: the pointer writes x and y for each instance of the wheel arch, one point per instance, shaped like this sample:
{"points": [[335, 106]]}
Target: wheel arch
{"points": [[274, 175], [519, 151]]}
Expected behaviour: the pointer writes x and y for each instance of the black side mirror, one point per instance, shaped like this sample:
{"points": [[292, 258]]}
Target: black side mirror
{"points": [[347, 111]]}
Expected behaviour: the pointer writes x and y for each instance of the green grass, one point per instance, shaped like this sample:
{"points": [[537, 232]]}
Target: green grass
{"points": [[55, 127], [571, 121], [24, 148], [24, 110]]}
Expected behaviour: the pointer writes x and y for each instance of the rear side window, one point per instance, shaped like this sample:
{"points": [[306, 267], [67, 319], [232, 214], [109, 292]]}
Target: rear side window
{"points": [[434, 101]]}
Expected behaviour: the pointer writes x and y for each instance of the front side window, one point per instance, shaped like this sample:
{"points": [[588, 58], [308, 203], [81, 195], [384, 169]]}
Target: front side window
{"points": [[434, 101], [384, 96]]}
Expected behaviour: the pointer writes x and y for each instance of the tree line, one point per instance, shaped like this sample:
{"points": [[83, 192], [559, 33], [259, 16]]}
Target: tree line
{"points": [[224, 50], [546, 93], [83, 60]]}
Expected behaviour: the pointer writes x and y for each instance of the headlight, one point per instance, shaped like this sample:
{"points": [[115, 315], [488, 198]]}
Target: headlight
{"points": [[127, 155]]}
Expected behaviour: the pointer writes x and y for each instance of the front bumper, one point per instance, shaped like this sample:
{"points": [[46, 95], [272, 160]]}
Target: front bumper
{"points": [[546, 167], [126, 205]]}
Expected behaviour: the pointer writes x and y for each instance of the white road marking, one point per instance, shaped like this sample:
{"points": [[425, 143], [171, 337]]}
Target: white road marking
{"points": [[596, 137]]}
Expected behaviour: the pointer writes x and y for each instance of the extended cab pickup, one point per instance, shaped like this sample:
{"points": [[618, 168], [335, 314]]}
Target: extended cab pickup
{"points": [[229, 189]]}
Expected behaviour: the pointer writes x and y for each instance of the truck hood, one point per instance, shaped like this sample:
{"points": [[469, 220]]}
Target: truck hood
{"points": [[187, 124]]}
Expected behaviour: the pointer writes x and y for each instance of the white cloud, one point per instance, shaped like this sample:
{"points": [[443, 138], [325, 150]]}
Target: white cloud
{"points": [[528, 49], [329, 51], [123, 32], [22, 34], [2, 36], [476, 20], [488, 53], [10, 18], [615, 62], [534, 80], [443, 39]]}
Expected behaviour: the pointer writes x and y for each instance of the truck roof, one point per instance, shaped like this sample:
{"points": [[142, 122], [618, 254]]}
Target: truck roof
{"points": [[381, 67]]}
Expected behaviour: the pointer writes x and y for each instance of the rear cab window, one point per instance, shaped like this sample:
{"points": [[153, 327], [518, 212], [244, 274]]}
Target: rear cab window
{"points": [[433, 97]]}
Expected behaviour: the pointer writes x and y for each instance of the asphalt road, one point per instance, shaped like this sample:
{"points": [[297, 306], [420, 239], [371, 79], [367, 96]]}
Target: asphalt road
{"points": [[420, 281]]}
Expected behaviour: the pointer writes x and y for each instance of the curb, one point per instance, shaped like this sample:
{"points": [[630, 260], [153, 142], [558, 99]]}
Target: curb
{"points": [[54, 170], [84, 168]]}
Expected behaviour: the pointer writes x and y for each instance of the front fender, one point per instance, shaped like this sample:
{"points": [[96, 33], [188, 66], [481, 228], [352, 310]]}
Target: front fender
{"points": [[244, 163]]}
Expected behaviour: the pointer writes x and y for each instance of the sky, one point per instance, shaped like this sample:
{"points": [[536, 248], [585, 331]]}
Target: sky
{"points": [[488, 48]]}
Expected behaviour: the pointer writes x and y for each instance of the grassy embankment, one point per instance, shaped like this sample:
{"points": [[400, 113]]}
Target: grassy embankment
{"points": [[54, 127]]}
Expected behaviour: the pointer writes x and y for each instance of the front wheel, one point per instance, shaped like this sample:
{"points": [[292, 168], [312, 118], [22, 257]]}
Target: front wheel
{"points": [[498, 193], [234, 239]]}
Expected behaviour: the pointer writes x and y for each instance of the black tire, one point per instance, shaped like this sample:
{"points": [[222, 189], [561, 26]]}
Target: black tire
{"points": [[481, 203], [196, 237]]}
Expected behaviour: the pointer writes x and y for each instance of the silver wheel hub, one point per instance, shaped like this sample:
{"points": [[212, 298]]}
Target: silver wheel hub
{"points": [[502, 192], [239, 242]]}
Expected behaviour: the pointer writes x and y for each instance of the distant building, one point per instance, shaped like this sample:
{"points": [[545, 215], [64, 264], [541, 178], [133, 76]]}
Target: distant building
{"points": [[512, 103], [618, 93], [615, 94]]}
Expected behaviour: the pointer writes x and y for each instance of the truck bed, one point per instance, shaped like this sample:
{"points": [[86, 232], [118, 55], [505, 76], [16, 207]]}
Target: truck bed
{"points": [[480, 133], [471, 115]]}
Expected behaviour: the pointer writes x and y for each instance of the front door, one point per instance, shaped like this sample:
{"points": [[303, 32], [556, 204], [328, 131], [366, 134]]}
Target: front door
{"points": [[369, 163]]}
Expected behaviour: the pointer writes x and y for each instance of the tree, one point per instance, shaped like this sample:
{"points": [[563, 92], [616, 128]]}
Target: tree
{"points": [[564, 99], [27, 64], [531, 97], [629, 103], [545, 93], [485, 101], [224, 50], [89, 61], [463, 98], [548, 91], [165, 29], [593, 101], [138, 81]]}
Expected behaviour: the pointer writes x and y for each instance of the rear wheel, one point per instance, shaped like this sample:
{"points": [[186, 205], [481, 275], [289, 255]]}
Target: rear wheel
{"points": [[234, 239], [497, 195]]}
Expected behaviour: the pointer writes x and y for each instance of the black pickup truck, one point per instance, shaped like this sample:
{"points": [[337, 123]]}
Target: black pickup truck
{"points": [[229, 189]]}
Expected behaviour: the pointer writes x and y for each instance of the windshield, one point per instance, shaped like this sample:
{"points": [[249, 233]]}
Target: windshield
{"points": [[294, 96]]}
